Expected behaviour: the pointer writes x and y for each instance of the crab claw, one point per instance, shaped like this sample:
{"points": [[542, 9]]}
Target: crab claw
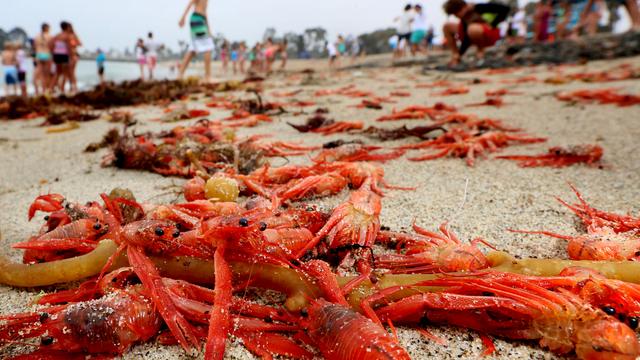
{"points": [[46, 203]]}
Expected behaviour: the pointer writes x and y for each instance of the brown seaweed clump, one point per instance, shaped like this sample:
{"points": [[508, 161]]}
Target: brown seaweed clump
{"points": [[109, 95], [170, 153]]}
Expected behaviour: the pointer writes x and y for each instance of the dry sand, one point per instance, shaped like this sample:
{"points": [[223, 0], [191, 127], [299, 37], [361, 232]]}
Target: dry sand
{"points": [[482, 201]]}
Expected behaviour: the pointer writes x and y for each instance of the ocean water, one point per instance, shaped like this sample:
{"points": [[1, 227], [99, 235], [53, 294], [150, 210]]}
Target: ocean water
{"points": [[87, 73]]}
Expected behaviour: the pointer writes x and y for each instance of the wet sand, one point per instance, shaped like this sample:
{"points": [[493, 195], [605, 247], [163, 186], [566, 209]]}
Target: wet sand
{"points": [[481, 201]]}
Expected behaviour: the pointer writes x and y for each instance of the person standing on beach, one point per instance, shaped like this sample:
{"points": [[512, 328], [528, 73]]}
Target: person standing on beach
{"points": [[200, 36], [474, 28], [541, 20], [21, 64], [224, 56], [332, 50], [242, 56], [100, 60], [284, 56], [153, 47], [42, 76], [74, 56], [60, 47], [10, 69], [403, 30], [234, 58], [419, 31], [141, 56]]}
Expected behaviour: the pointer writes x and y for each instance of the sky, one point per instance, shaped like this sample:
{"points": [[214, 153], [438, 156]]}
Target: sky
{"points": [[118, 23]]}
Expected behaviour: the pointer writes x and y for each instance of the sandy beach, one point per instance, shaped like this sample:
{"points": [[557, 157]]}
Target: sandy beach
{"points": [[481, 201]]}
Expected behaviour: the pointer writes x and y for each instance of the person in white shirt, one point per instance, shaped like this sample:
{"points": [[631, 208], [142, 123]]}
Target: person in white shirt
{"points": [[419, 31], [152, 53], [332, 49], [403, 30]]}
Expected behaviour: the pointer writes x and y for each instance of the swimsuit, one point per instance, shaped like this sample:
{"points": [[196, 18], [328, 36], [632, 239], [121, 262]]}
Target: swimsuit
{"points": [[10, 74], [60, 52], [202, 41], [43, 57]]}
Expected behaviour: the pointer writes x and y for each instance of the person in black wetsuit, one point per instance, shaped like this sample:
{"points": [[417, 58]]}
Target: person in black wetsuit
{"points": [[478, 26]]}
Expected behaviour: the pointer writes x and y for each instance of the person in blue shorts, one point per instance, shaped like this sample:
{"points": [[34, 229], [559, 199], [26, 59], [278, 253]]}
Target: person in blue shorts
{"points": [[10, 67]]}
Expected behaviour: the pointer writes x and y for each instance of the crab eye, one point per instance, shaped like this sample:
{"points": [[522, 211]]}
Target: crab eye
{"points": [[176, 233], [244, 222], [159, 231], [633, 322], [609, 310], [97, 226]]}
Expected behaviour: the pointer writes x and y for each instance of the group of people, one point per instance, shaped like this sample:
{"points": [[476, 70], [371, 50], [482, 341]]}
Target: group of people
{"points": [[261, 57], [561, 19], [343, 48], [146, 52], [54, 60], [479, 24], [412, 32]]}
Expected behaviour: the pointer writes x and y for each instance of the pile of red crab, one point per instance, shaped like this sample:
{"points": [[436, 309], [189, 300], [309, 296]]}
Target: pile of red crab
{"points": [[181, 273], [201, 273]]}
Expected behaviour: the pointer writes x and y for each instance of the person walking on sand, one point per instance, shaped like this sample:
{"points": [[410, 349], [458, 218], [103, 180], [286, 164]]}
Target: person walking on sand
{"points": [[473, 29], [403, 30], [100, 60], [60, 47], [42, 76], [419, 31], [10, 69], [153, 48], [141, 56], [200, 36]]}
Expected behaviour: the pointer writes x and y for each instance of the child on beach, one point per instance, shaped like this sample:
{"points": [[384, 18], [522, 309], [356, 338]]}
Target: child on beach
{"points": [[234, 59], [10, 70], [201, 39], [474, 28], [141, 56], [242, 56], [224, 56], [42, 76], [153, 47], [100, 60]]}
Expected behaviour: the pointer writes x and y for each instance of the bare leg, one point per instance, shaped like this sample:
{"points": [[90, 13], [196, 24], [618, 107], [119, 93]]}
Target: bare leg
{"points": [[72, 76], [450, 30], [207, 66], [634, 13], [185, 63]]}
